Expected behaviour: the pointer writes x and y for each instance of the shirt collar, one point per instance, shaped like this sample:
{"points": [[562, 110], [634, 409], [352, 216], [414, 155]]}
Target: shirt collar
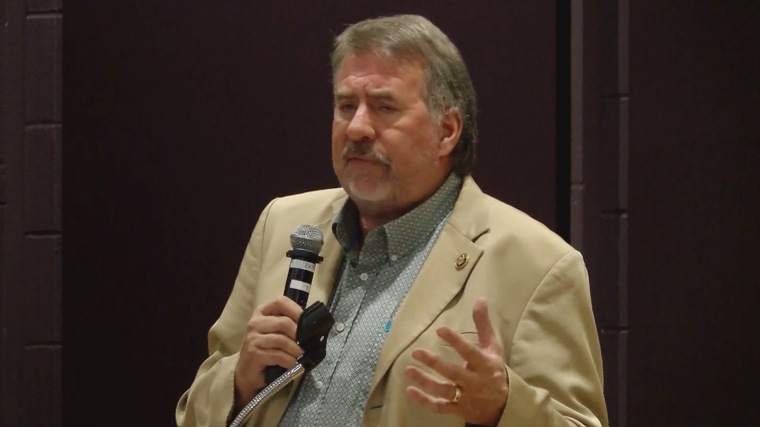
{"points": [[403, 234]]}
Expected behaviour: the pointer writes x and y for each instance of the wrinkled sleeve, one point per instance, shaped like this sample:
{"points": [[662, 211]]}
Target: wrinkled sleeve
{"points": [[555, 366], [210, 399]]}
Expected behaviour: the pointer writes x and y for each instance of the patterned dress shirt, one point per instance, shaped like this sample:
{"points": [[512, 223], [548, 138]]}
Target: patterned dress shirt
{"points": [[374, 278]]}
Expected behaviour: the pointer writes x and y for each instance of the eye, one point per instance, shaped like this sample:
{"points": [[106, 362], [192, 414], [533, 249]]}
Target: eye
{"points": [[387, 109], [346, 107]]}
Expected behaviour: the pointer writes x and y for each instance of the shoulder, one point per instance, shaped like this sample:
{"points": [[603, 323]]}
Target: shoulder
{"points": [[503, 230], [312, 200], [284, 214]]}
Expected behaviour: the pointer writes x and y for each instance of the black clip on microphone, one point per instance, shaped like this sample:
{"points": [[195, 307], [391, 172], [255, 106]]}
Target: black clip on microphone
{"points": [[313, 327]]}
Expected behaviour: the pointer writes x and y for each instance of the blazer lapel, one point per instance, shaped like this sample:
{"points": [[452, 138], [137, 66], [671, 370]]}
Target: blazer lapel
{"points": [[440, 279], [437, 284]]}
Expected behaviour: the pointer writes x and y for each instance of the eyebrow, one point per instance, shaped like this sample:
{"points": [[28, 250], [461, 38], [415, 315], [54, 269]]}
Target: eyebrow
{"points": [[371, 93]]}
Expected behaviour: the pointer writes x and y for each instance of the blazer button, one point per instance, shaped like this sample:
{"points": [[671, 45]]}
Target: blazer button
{"points": [[462, 261]]}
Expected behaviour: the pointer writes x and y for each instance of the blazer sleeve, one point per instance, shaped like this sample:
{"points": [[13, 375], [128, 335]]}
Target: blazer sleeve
{"points": [[555, 366], [210, 399]]}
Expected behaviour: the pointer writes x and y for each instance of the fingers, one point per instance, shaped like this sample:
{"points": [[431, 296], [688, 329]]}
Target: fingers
{"points": [[269, 341], [278, 316], [453, 372], [481, 380], [488, 346], [438, 405], [264, 346], [431, 385], [281, 306], [471, 353], [483, 323], [431, 392], [272, 329], [264, 325]]}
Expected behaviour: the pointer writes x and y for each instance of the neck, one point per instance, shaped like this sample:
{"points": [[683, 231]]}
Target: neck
{"points": [[376, 214], [367, 224]]}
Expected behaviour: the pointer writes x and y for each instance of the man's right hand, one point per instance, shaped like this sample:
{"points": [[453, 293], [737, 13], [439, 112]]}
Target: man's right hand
{"points": [[269, 340]]}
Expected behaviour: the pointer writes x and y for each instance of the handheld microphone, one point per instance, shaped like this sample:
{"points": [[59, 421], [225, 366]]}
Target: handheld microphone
{"points": [[307, 242]]}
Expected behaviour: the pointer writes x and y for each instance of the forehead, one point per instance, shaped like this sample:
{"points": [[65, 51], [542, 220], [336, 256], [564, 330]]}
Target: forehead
{"points": [[368, 70]]}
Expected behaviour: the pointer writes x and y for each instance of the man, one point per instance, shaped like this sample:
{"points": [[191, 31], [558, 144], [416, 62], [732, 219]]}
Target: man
{"points": [[451, 307]]}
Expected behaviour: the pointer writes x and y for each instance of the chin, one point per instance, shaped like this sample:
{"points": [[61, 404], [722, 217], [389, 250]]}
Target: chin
{"points": [[367, 192]]}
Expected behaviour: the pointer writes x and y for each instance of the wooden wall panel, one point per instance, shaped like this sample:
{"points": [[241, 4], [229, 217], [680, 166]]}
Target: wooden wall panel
{"points": [[599, 218], [694, 234]]}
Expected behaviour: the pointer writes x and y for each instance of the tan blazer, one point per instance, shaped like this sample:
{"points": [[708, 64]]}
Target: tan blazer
{"points": [[538, 299]]}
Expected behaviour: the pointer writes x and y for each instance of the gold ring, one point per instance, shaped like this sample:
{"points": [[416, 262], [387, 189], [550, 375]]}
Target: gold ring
{"points": [[457, 394]]}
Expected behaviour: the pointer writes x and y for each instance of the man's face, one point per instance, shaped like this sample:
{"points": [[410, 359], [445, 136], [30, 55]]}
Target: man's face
{"points": [[388, 152]]}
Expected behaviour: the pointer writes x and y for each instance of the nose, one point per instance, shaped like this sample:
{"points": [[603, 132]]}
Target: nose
{"points": [[360, 127]]}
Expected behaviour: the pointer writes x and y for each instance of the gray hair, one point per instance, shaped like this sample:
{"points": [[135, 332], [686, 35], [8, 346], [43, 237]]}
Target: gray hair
{"points": [[447, 82]]}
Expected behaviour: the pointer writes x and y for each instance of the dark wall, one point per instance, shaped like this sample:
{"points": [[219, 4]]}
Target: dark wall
{"points": [[694, 203], [183, 121], [30, 212], [599, 174]]}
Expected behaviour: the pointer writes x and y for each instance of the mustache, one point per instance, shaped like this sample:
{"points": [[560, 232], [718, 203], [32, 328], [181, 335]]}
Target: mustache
{"points": [[364, 150]]}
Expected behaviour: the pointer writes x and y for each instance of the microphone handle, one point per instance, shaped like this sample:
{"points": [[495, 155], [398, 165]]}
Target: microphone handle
{"points": [[298, 283]]}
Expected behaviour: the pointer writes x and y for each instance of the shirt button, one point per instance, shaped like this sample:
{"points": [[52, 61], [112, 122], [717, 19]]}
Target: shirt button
{"points": [[364, 277], [340, 327], [394, 258], [319, 384]]}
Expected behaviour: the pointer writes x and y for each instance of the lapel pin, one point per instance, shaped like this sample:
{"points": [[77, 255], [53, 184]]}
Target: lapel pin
{"points": [[462, 261]]}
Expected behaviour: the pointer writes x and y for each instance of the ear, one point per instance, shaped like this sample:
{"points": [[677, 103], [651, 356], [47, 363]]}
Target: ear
{"points": [[451, 129]]}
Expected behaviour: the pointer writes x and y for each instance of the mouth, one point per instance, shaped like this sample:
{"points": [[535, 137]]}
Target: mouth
{"points": [[360, 159], [350, 159]]}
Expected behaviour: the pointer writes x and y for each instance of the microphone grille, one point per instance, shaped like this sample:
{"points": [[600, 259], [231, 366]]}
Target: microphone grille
{"points": [[307, 238]]}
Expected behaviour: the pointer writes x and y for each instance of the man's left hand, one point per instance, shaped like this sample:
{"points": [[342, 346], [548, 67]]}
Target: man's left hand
{"points": [[482, 381]]}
